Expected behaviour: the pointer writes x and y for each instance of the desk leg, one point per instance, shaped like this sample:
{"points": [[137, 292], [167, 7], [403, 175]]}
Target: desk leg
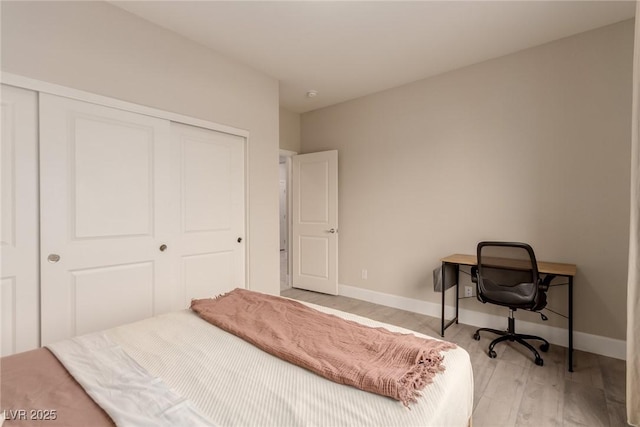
{"points": [[442, 306], [457, 290], [570, 323], [444, 325]]}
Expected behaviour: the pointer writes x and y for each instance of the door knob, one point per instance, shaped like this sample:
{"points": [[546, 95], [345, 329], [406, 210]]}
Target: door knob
{"points": [[53, 258], [163, 247], [239, 239], [333, 230]]}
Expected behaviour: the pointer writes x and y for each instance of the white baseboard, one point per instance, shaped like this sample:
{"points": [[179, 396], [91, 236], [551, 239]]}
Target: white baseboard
{"points": [[581, 341]]}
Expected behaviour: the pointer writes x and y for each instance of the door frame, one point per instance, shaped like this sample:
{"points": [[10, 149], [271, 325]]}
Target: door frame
{"points": [[40, 86], [288, 155]]}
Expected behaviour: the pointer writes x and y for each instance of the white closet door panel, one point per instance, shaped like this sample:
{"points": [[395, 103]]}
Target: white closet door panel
{"points": [[103, 185], [207, 186], [212, 211], [9, 312], [92, 287], [19, 217], [113, 168]]}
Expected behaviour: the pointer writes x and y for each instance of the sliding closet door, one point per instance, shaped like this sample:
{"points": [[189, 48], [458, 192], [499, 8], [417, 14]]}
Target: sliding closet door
{"points": [[105, 217], [19, 295], [211, 246]]}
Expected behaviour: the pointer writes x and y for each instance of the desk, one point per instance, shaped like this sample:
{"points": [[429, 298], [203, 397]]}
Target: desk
{"points": [[553, 268]]}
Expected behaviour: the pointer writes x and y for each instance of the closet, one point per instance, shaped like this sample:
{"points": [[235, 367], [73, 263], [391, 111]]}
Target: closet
{"points": [[137, 215]]}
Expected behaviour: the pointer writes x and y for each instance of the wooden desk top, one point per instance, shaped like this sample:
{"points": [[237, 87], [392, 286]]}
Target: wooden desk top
{"points": [[543, 267]]}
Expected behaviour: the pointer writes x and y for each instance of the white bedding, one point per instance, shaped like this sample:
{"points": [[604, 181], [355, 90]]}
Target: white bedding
{"points": [[234, 383], [126, 391]]}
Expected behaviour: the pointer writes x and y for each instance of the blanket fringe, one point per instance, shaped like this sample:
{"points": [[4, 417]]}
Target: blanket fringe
{"points": [[214, 298], [428, 364]]}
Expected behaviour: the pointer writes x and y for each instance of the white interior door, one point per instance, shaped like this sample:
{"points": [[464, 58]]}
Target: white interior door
{"points": [[211, 247], [104, 216], [315, 221], [19, 296]]}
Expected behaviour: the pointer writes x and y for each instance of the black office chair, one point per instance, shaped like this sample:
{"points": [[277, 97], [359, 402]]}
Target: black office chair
{"points": [[507, 275]]}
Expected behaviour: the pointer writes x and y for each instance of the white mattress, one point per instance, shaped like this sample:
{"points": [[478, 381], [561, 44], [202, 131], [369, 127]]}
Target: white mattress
{"points": [[236, 384]]}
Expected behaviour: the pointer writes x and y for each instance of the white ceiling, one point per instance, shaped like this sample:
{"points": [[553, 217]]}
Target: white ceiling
{"points": [[347, 49]]}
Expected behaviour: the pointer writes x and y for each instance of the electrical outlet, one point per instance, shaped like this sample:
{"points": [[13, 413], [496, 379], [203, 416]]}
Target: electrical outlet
{"points": [[364, 274], [468, 291]]}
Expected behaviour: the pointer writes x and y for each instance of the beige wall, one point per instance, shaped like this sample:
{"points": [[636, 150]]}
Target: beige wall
{"points": [[532, 147], [289, 130], [96, 47]]}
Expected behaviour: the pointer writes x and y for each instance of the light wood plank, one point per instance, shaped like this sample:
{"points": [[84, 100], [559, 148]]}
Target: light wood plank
{"points": [[585, 405], [500, 402], [617, 414], [541, 405], [586, 370], [613, 375]]}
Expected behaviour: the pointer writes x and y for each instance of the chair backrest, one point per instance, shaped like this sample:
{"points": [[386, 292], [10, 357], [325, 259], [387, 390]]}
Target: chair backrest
{"points": [[506, 266]]}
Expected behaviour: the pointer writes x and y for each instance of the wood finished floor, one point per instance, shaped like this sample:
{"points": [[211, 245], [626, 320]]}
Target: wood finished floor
{"points": [[511, 390]]}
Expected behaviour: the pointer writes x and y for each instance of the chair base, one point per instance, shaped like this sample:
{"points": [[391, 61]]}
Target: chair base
{"points": [[511, 335]]}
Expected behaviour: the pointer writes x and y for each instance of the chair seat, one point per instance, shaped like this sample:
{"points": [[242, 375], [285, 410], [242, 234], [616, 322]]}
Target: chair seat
{"points": [[517, 296]]}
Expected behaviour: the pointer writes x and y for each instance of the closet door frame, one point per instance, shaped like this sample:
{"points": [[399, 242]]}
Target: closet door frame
{"points": [[79, 95]]}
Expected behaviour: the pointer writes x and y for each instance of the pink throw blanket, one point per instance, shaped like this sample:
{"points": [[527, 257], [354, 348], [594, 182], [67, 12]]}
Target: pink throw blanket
{"points": [[371, 359]]}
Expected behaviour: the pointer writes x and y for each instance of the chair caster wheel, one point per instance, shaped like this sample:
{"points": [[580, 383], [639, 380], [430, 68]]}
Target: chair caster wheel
{"points": [[492, 354], [539, 362], [476, 336], [544, 347]]}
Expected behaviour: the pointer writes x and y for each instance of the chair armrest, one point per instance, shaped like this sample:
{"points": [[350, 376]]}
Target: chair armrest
{"points": [[546, 282], [474, 274]]}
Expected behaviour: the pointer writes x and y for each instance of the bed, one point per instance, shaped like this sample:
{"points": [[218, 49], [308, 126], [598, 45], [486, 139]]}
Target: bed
{"points": [[212, 377]]}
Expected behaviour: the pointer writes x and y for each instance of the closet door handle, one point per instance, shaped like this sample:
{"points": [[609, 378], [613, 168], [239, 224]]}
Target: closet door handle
{"points": [[53, 258], [163, 247]]}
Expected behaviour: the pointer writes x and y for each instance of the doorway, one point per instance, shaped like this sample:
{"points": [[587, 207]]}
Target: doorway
{"points": [[285, 208]]}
